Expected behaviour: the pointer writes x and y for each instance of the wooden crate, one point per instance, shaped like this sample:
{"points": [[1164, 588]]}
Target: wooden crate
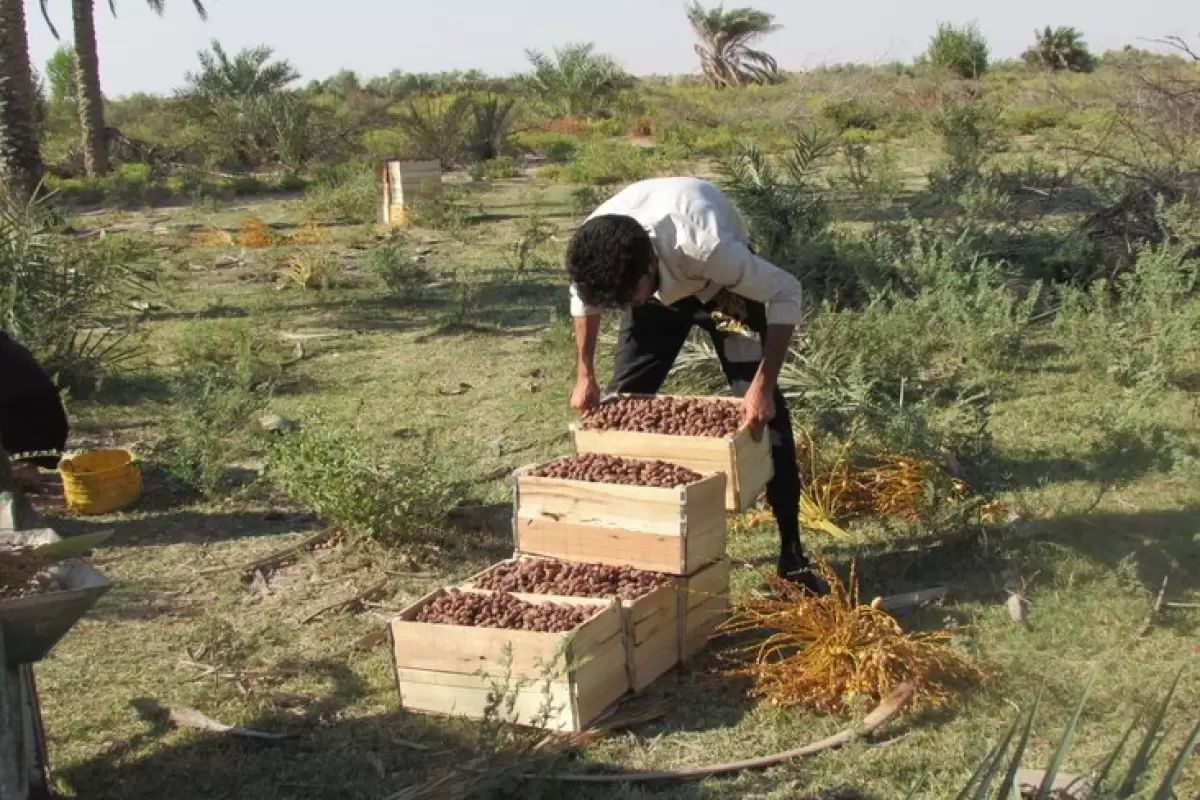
{"points": [[675, 531], [651, 626], [703, 604], [747, 463], [400, 183], [450, 669]]}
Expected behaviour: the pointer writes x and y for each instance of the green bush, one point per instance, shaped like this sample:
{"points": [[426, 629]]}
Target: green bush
{"points": [[215, 424], [404, 278], [558, 148], [851, 114], [384, 144], [1143, 328], [1032, 119], [961, 50], [494, 169], [65, 300], [605, 162], [345, 193], [336, 472]]}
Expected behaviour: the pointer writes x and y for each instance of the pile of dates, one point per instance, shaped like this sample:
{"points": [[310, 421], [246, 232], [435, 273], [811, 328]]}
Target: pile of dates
{"points": [[676, 416], [545, 576], [500, 610], [602, 468]]}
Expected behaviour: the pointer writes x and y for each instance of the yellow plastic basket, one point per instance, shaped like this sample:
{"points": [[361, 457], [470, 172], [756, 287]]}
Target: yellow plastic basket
{"points": [[100, 481]]}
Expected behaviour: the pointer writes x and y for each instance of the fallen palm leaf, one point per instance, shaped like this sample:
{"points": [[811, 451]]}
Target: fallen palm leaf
{"points": [[816, 652], [191, 718], [888, 708]]}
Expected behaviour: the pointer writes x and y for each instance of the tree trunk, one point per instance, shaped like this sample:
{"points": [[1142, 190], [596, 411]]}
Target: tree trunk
{"points": [[91, 101], [20, 157]]}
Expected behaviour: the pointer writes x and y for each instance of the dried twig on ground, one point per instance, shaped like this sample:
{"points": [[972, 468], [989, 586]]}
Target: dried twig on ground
{"points": [[350, 602], [1155, 610]]}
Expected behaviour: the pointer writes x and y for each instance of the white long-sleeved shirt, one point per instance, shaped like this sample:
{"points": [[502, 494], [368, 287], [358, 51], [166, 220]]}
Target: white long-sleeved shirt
{"points": [[702, 246]]}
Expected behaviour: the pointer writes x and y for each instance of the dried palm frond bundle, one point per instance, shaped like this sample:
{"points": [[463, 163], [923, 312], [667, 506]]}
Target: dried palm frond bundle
{"points": [[820, 652], [310, 234], [897, 485], [824, 485], [254, 233]]}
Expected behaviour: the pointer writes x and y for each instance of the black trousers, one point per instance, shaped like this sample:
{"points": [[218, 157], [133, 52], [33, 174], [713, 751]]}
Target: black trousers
{"points": [[648, 343], [32, 417]]}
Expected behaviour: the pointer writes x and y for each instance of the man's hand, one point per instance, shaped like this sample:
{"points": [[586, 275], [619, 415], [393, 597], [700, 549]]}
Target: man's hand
{"points": [[586, 395], [758, 408]]}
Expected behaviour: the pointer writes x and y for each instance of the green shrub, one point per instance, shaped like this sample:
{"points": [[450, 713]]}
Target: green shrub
{"points": [[1143, 328], [215, 425], [448, 209], [384, 144], [558, 148], [1032, 119], [851, 114], [345, 193], [586, 199], [404, 278], [64, 300], [968, 129], [605, 162], [336, 472], [227, 372], [498, 168], [961, 50]]}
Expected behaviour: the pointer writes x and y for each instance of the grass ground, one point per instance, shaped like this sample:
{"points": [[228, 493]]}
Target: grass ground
{"points": [[483, 362]]}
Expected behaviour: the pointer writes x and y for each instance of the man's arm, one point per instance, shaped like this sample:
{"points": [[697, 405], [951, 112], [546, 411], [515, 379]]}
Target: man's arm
{"points": [[587, 331], [732, 265]]}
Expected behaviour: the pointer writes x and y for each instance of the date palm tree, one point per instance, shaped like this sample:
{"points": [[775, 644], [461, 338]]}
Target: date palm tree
{"points": [[91, 100], [1061, 48], [20, 157], [726, 58]]}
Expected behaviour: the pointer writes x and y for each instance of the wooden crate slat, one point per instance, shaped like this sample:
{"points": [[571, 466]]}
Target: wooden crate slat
{"points": [[594, 544], [631, 508], [456, 694], [639, 526], [703, 603]]}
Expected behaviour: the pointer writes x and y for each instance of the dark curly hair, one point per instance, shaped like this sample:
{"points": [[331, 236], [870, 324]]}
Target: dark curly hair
{"points": [[606, 258]]}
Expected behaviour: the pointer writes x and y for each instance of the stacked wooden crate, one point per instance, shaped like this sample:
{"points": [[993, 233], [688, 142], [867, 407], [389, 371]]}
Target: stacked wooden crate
{"points": [[676, 532]]}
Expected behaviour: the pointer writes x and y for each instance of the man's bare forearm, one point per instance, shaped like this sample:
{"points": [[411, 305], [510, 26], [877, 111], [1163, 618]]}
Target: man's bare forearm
{"points": [[775, 350], [587, 330]]}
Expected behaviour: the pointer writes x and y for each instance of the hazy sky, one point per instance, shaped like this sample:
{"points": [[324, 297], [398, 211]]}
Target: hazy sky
{"points": [[142, 52]]}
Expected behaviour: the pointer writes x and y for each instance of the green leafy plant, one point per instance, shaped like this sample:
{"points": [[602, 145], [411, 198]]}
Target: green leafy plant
{"points": [[576, 81], [334, 470], [403, 277], [533, 233], [63, 300], [1141, 327], [1002, 764], [438, 127], [345, 193], [959, 49]]}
